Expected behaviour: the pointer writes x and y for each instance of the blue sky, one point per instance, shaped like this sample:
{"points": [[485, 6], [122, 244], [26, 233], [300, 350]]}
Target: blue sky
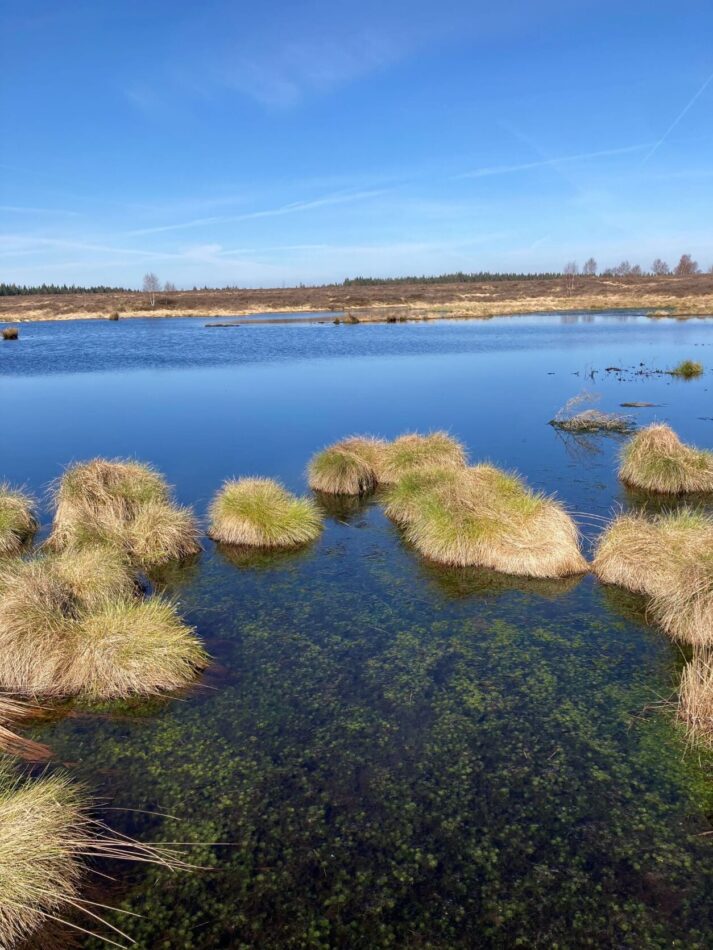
{"points": [[272, 143]]}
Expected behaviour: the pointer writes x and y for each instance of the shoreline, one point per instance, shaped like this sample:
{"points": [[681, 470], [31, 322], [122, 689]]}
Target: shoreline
{"points": [[677, 309], [678, 297]]}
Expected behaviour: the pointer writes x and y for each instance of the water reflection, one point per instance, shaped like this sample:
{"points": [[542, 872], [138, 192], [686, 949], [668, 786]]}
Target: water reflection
{"points": [[399, 754]]}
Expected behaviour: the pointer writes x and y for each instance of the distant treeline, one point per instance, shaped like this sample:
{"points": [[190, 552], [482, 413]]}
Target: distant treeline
{"points": [[19, 290], [457, 278]]}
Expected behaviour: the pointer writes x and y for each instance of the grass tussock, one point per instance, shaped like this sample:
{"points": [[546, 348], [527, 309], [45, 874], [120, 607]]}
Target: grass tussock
{"points": [[638, 552], [17, 519], [656, 460], [129, 648], [695, 698], [570, 418], [402, 500], [593, 421], [669, 558], [161, 532], [10, 333], [47, 834], [42, 832], [126, 504], [349, 467], [12, 712], [687, 369], [73, 624], [260, 512], [413, 451], [483, 517]]}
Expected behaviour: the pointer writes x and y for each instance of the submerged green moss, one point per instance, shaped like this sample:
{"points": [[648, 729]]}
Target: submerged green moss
{"points": [[406, 764]]}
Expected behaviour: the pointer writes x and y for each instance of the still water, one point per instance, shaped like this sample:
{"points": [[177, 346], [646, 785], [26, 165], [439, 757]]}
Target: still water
{"points": [[396, 755]]}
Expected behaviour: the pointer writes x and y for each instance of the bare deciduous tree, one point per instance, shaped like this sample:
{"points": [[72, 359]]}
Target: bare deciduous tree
{"points": [[636, 271], [169, 287], [571, 269], [660, 268], [151, 285], [590, 268], [686, 267], [623, 269]]}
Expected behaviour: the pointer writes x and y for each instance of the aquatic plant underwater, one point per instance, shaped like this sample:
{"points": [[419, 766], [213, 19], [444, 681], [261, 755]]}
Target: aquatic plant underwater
{"points": [[342, 783]]}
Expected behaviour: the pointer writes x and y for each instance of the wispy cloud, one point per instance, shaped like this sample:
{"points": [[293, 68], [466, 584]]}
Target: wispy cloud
{"points": [[294, 207], [490, 170], [16, 209], [20, 245], [689, 105], [285, 74]]}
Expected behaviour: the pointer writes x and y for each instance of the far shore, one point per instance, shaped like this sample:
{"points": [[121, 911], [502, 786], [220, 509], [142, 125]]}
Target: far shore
{"points": [[385, 302]]}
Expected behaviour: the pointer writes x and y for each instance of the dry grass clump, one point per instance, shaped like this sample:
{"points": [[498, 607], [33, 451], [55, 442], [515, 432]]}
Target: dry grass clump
{"points": [[162, 532], [695, 697], [402, 499], [73, 624], [413, 451], [687, 369], [36, 612], [42, 832], [260, 512], [12, 711], [10, 333], [684, 609], [129, 648], [487, 518], [126, 504], [92, 575], [670, 559], [656, 460], [46, 835], [639, 553], [590, 420], [17, 519], [349, 467]]}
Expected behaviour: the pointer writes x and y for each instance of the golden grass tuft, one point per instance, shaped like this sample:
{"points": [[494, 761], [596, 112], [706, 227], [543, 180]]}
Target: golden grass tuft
{"points": [[656, 460], [46, 835], [12, 711], [72, 624], [36, 612], [93, 574], [669, 558], [162, 532], [126, 504], [403, 499], [639, 553], [17, 519], [413, 451], [260, 512], [483, 517], [349, 467], [10, 333], [42, 832], [695, 697], [131, 648], [687, 369]]}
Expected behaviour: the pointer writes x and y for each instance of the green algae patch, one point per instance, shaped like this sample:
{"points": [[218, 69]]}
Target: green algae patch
{"points": [[396, 759]]}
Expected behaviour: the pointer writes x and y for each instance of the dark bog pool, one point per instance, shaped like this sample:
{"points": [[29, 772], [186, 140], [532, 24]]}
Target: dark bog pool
{"points": [[394, 754]]}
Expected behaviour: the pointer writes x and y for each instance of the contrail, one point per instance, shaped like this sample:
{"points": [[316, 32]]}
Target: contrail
{"points": [[677, 120], [544, 162], [294, 206]]}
